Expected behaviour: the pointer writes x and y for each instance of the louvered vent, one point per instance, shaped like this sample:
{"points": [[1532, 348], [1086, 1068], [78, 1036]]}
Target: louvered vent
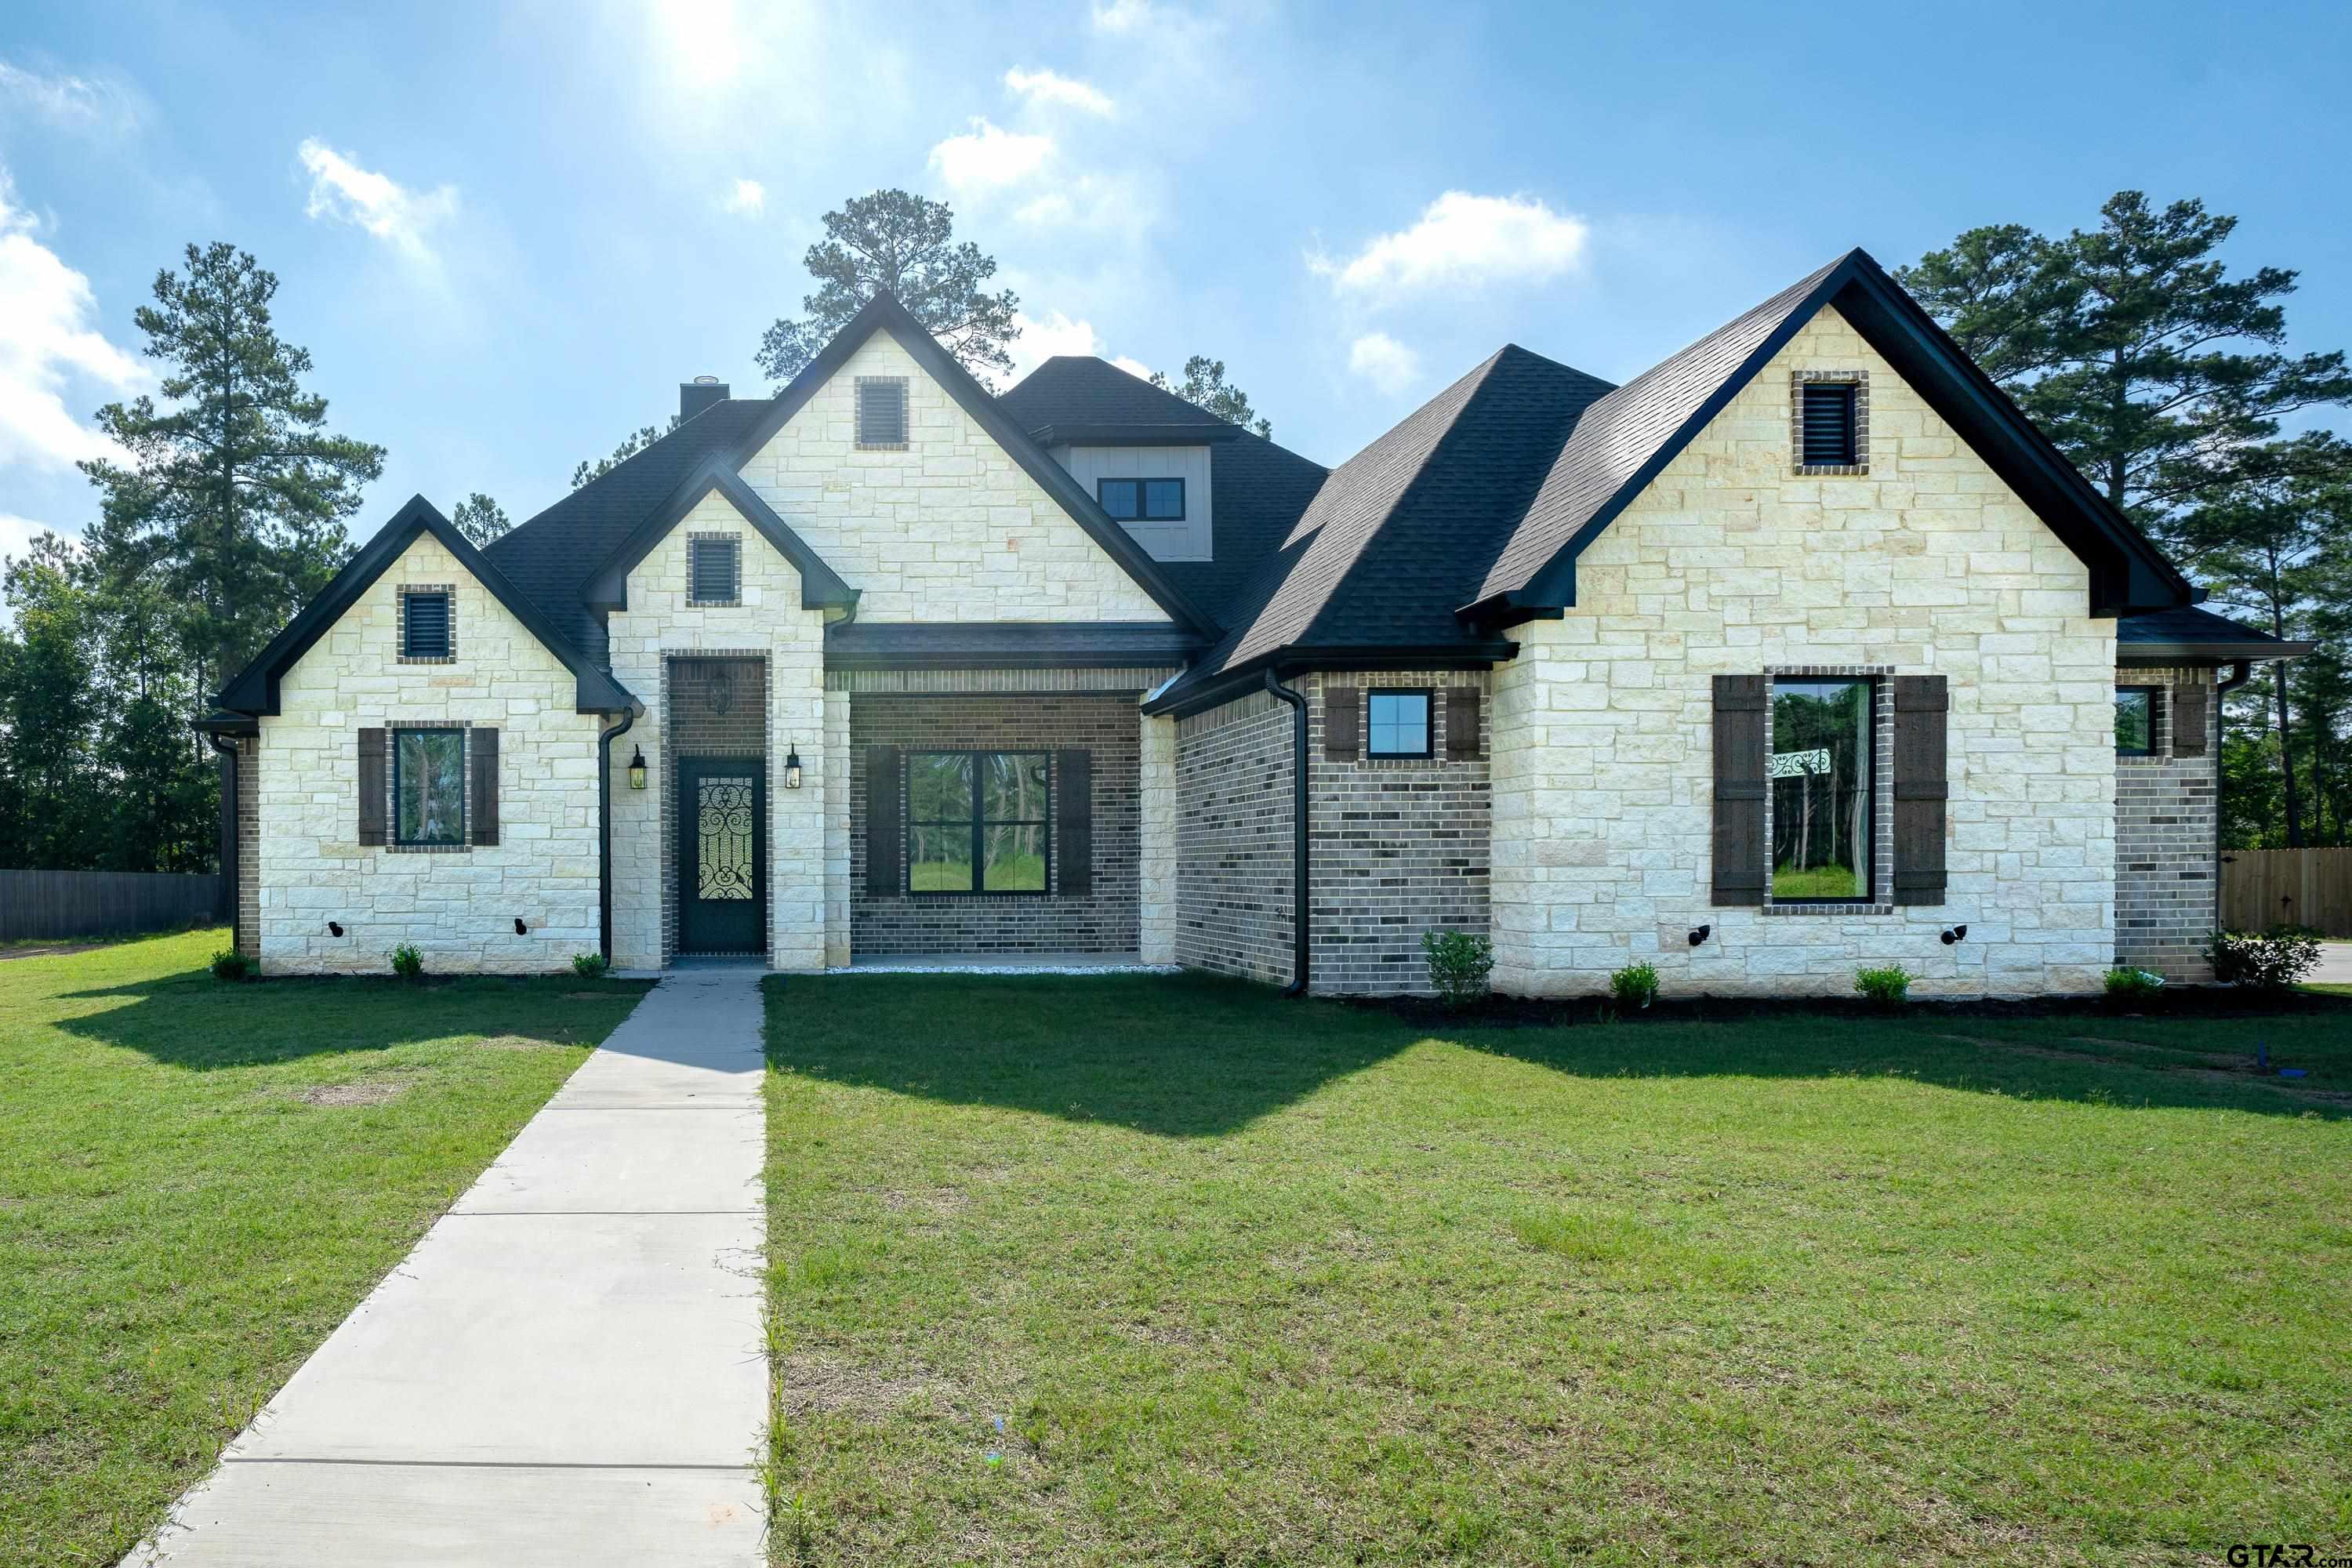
{"points": [[712, 564], [429, 625], [1829, 425], [881, 411]]}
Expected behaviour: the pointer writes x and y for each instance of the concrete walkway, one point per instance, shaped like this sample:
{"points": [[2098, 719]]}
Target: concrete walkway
{"points": [[569, 1368]]}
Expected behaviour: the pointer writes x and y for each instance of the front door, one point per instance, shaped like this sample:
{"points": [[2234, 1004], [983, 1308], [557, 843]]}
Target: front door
{"points": [[722, 864]]}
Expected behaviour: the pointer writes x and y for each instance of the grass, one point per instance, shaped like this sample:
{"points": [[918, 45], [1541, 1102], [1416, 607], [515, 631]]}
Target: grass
{"points": [[1261, 1283], [198, 1181]]}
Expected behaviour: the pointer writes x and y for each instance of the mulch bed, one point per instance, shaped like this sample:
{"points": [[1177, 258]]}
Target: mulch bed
{"points": [[1501, 1012]]}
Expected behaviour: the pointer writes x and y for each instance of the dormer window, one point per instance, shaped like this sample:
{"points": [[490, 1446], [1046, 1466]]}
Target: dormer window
{"points": [[882, 412], [1142, 500], [427, 634], [1830, 421]]}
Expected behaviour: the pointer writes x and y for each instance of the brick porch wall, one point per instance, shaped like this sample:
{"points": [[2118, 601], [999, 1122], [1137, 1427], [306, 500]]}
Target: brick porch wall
{"points": [[1234, 839], [2167, 812]]}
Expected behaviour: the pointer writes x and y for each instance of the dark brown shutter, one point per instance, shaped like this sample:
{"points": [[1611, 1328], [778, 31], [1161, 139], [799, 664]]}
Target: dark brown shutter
{"points": [[885, 822], [1922, 706], [1074, 821], [1343, 722], [2188, 720], [1461, 721], [373, 788], [1739, 848], [482, 747]]}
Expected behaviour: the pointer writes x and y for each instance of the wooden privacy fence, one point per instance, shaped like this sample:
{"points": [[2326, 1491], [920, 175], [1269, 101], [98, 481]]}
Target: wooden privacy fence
{"points": [[95, 904], [2293, 887]]}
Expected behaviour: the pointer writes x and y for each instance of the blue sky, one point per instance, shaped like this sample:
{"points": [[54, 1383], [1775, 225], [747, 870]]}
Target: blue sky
{"points": [[505, 234]]}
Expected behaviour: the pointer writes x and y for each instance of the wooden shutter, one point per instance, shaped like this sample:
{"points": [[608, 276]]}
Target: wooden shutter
{"points": [[885, 822], [2188, 720], [1074, 821], [1461, 722], [482, 810], [1740, 851], [1343, 722], [1922, 706], [374, 790]]}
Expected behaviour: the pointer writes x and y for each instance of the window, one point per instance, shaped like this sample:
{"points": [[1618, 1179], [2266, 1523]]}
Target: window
{"points": [[713, 565], [1142, 500], [1399, 724], [428, 786], [882, 411], [2134, 721], [1829, 425], [976, 821], [1819, 776], [425, 624]]}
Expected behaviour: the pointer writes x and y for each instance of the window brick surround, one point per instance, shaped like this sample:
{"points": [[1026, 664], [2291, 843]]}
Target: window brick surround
{"points": [[392, 727], [400, 628], [734, 601], [1857, 379], [1882, 788]]}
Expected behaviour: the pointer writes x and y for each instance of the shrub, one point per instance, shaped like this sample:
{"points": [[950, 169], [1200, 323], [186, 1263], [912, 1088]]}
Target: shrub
{"points": [[407, 962], [230, 965], [1635, 986], [2273, 960], [2127, 985], [1458, 966], [590, 965], [1887, 986]]}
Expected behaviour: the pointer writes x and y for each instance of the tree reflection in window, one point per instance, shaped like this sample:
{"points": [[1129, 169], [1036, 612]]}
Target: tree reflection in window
{"points": [[976, 821], [1819, 772], [428, 786]]}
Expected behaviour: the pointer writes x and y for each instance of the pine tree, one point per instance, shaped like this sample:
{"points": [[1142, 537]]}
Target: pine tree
{"points": [[1204, 386], [480, 519]]}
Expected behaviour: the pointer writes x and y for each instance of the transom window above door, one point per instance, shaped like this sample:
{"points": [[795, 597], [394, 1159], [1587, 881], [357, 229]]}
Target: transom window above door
{"points": [[1142, 500], [977, 822]]}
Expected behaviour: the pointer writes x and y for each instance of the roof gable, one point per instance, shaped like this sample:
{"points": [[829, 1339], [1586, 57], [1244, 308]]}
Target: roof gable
{"points": [[821, 586], [255, 690]]}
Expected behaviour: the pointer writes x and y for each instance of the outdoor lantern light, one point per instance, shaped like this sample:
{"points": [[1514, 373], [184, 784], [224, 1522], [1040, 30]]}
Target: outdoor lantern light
{"points": [[636, 767], [791, 768]]}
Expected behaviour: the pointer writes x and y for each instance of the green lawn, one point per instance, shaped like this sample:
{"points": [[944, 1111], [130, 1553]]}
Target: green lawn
{"points": [[1262, 1282], [197, 1181]]}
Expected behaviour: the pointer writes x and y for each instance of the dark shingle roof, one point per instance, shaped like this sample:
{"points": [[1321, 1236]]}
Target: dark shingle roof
{"points": [[2193, 627], [1399, 535], [1100, 645], [1080, 389]]}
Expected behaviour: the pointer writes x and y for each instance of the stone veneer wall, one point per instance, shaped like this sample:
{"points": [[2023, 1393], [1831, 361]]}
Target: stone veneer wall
{"points": [[1234, 885], [1107, 920], [1731, 562], [2166, 821], [1397, 846], [458, 905]]}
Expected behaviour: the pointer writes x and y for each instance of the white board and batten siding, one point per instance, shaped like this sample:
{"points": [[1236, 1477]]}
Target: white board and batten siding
{"points": [[1189, 540]]}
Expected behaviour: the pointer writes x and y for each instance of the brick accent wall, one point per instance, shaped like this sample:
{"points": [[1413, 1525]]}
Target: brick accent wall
{"points": [[1397, 846], [716, 703], [1234, 894], [247, 939], [1104, 920], [2167, 811]]}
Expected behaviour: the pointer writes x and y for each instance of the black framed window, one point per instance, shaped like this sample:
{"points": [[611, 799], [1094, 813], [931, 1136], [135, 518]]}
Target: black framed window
{"points": [[1829, 424], [1142, 500], [2134, 721], [1398, 723], [713, 571], [428, 786], [977, 822], [425, 626], [882, 411], [1819, 774]]}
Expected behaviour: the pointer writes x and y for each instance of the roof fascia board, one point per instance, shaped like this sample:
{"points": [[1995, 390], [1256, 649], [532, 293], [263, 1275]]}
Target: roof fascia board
{"points": [[2158, 653], [821, 586], [256, 688], [883, 313]]}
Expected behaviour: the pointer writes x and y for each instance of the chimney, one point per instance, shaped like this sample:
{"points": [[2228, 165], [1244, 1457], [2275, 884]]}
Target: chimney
{"points": [[694, 396]]}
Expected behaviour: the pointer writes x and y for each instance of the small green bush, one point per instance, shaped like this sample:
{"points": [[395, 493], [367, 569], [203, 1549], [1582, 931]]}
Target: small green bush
{"points": [[590, 965], [1887, 986], [1458, 966], [407, 962], [2127, 985], [2273, 960], [231, 966], [1635, 986]]}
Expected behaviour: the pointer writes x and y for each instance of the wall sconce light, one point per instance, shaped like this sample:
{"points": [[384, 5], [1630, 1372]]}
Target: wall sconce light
{"points": [[1954, 934], [636, 767], [791, 767], [1700, 934], [334, 928], [520, 928]]}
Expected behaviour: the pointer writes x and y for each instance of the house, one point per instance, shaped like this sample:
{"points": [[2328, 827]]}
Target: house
{"points": [[1799, 651]]}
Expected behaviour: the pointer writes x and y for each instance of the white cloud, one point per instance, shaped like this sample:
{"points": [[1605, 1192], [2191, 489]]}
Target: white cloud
{"points": [[1042, 338], [399, 217], [1461, 241], [748, 198], [1047, 87], [1387, 363], [48, 337], [1125, 15], [1134, 367], [17, 534], [988, 157], [76, 103]]}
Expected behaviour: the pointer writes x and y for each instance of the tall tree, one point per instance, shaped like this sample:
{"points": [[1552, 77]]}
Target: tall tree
{"points": [[48, 716], [1204, 386], [896, 241], [235, 492], [480, 519], [635, 441]]}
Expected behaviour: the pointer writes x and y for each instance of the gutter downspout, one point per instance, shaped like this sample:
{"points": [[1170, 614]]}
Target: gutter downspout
{"points": [[2240, 673], [231, 851], [1299, 935], [605, 739]]}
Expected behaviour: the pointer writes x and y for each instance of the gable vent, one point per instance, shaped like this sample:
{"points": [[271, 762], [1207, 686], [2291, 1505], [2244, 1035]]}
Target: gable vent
{"points": [[1829, 425]]}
